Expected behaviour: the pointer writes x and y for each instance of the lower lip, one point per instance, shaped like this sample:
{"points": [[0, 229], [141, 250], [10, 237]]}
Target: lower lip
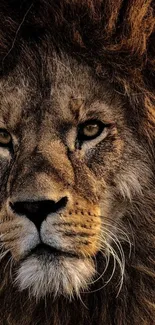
{"points": [[44, 250]]}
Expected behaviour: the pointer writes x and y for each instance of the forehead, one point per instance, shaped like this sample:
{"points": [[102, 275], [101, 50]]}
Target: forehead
{"points": [[57, 91]]}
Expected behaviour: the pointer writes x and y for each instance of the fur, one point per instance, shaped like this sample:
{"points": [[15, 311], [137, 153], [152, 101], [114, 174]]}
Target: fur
{"points": [[111, 42]]}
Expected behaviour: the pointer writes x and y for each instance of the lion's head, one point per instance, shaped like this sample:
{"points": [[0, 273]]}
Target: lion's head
{"points": [[70, 167], [77, 184]]}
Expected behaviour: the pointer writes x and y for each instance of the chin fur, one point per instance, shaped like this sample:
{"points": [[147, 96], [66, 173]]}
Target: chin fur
{"points": [[63, 276]]}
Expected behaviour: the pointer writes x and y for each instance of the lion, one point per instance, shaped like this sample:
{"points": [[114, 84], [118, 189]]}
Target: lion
{"points": [[77, 198]]}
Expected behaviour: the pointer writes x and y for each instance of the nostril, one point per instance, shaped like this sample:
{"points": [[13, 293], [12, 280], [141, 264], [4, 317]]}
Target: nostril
{"points": [[37, 211], [61, 204]]}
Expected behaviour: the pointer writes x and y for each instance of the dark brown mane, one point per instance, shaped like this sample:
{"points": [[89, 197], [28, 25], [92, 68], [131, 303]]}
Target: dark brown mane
{"points": [[117, 39]]}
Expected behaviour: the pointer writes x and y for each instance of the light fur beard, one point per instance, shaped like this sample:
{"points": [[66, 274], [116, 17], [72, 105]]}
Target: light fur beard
{"points": [[63, 276]]}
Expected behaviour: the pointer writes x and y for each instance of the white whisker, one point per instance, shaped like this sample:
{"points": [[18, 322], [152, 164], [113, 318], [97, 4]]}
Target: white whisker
{"points": [[3, 254], [111, 239]]}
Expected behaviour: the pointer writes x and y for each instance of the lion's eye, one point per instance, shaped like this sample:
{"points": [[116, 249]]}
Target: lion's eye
{"points": [[5, 138], [90, 130]]}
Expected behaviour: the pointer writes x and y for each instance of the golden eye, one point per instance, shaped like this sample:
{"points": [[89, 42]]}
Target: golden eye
{"points": [[89, 130], [5, 137]]}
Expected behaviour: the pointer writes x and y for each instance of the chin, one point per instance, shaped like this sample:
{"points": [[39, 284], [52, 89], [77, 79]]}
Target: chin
{"points": [[45, 274]]}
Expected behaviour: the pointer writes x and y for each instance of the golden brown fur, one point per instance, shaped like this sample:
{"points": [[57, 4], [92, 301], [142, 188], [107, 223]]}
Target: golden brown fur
{"points": [[63, 62]]}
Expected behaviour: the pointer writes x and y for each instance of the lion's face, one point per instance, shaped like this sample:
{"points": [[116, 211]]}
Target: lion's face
{"points": [[70, 166]]}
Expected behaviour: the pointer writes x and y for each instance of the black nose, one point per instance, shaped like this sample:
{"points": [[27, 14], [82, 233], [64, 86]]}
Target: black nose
{"points": [[37, 211]]}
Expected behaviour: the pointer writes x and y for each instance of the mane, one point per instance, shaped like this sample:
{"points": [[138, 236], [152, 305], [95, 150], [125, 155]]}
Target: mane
{"points": [[117, 40]]}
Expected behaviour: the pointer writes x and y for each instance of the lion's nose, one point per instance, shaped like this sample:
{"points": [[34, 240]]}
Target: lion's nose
{"points": [[37, 211]]}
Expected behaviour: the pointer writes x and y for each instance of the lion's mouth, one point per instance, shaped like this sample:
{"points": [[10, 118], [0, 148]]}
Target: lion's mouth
{"points": [[44, 250]]}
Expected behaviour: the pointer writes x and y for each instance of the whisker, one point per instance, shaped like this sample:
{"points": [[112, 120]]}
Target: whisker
{"points": [[121, 261], [96, 290], [11, 267], [79, 296], [116, 236], [3, 254], [117, 243], [119, 229], [114, 267], [9, 260], [101, 275]]}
